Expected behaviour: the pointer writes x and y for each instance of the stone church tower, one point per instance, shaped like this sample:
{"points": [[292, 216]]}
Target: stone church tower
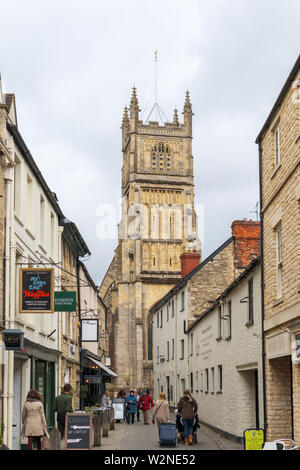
{"points": [[158, 225]]}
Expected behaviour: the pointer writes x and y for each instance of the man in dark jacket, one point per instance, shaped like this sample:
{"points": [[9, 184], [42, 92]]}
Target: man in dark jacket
{"points": [[187, 408], [63, 405]]}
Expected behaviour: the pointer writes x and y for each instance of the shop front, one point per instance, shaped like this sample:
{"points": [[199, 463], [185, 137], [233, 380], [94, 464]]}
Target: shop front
{"points": [[35, 368], [95, 377]]}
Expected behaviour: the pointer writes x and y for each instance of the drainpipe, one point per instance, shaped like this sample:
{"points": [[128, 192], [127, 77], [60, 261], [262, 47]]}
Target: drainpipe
{"points": [[59, 315], [175, 352], [9, 355], [262, 292], [80, 327]]}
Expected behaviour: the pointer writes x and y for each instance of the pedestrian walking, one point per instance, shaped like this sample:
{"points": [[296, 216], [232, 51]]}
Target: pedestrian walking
{"points": [[63, 405], [34, 425], [106, 401], [146, 403], [187, 407], [131, 405], [161, 411], [137, 395]]}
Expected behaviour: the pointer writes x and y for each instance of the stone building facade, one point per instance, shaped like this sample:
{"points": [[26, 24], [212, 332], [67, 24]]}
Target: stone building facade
{"points": [[32, 238], [73, 247], [188, 300], [4, 152], [224, 358], [158, 224], [279, 152]]}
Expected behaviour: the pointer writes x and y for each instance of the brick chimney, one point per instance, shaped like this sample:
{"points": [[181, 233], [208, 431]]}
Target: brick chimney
{"points": [[246, 243], [189, 261]]}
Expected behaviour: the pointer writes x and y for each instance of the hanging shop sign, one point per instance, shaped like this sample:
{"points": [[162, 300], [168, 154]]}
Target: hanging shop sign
{"points": [[13, 340], [92, 379], [254, 439], [89, 330], [64, 301], [36, 290]]}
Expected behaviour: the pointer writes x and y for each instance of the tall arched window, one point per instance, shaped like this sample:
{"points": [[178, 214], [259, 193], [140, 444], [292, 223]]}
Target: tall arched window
{"points": [[161, 160]]}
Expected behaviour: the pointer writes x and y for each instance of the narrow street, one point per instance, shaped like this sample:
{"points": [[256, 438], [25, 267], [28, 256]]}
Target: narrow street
{"points": [[141, 437]]}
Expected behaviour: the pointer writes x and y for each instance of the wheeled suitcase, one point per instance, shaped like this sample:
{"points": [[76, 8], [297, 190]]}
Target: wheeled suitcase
{"points": [[167, 434]]}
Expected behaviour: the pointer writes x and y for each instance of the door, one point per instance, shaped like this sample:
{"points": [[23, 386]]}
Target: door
{"points": [[17, 405], [256, 399], [45, 384], [168, 388]]}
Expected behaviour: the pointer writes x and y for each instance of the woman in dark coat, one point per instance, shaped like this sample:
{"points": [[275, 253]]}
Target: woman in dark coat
{"points": [[131, 404], [187, 407]]}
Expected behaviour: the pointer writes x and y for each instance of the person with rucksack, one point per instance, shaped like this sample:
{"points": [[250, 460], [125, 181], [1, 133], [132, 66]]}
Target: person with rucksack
{"points": [[145, 404], [161, 411], [63, 405], [187, 407]]}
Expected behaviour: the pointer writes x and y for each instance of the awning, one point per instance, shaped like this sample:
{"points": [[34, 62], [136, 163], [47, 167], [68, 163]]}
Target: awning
{"points": [[102, 366]]}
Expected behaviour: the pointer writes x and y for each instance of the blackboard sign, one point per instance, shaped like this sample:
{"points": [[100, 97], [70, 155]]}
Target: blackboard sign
{"points": [[79, 428], [36, 290]]}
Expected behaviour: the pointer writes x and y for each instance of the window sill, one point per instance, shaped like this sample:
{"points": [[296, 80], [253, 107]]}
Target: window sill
{"points": [[43, 249], [249, 323], [219, 338], [19, 219], [275, 171], [30, 234], [277, 302]]}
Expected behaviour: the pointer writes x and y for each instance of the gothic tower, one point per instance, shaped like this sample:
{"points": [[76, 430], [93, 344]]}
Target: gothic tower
{"points": [[158, 224]]}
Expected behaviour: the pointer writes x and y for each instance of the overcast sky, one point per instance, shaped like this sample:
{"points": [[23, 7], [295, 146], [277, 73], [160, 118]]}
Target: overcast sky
{"points": [[72, 64]]}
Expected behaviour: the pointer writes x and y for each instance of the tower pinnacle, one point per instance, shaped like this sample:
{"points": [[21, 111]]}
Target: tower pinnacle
{"points": [[175, 118], [134, 108], [187, 104], [125, 119]]}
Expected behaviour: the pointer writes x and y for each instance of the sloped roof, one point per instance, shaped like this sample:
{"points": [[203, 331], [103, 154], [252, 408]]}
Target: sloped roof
{"points": [[228, 289], [280, 99], [183, 281]]}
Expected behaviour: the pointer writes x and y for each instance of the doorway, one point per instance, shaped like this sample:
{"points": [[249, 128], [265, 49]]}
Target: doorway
{"points": [[44, 383]]}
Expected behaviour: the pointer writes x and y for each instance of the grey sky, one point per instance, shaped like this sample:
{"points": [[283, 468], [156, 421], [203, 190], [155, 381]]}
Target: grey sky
{"points": [[72, 64]]}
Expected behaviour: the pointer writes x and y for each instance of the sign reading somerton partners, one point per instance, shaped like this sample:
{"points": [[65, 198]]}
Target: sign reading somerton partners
{"points": [[36, 290], [65, 301]]}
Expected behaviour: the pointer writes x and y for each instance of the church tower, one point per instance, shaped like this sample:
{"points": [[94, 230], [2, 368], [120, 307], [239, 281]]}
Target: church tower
{"points": [[158, 225]]}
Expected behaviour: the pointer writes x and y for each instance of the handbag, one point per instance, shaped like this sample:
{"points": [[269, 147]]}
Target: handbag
{"points": [[46, 443]]}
